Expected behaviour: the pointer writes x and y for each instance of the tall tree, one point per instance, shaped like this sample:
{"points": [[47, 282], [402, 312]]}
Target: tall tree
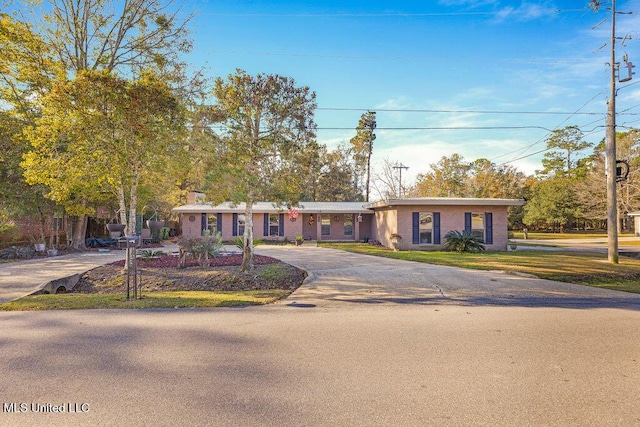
{"points": [[563, 156], [591, 190], [269, 132], [53, 41], [386, 180], [100, 135], [447, 178], [362, 147], [554, 199], [335, 181], [553, 203]]}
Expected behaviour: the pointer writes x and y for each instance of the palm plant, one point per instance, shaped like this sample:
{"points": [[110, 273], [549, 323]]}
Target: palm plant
{"points": [[463, 242]]}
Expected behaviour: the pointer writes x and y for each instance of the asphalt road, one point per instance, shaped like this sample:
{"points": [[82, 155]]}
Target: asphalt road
{"points": [[420, 345]]}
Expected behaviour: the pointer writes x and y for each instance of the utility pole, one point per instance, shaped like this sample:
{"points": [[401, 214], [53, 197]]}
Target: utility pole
{"points": [[400, 167], [612, 200]]}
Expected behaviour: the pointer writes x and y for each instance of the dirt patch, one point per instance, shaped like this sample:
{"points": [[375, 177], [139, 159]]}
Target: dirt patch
{"points": [[162, 274]]}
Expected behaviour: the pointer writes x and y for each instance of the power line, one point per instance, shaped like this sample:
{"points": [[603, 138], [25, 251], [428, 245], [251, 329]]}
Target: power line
{"points": [[380, 15], [409, 110], [522, 151], [444, 128]]}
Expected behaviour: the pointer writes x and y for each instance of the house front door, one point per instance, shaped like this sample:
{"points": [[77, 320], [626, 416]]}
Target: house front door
{"points": [[309, 229]]}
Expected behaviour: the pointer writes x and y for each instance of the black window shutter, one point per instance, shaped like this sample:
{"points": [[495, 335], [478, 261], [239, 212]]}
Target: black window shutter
{"points": [[281, 225], [234, 224], [219, 223], [203, 224], [416, 228], [265, 228], [467, 222], [488, 218], [436, 228]]}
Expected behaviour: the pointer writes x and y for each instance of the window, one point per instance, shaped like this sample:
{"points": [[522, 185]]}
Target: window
{"points": [[274, 225], [426, 228], [348, 224], [326, 225], [477, 225], [212, 223], [241, 223]]}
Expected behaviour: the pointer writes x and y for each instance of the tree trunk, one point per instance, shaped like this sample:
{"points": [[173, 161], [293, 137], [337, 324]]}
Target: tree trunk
{"points": [[79, 232], [122, 205], [133, 200], [368, 183], [247, 254]]}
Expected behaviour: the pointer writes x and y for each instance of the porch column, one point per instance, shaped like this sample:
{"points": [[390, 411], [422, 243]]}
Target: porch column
{"points": [[356, 228], [319, 226]]}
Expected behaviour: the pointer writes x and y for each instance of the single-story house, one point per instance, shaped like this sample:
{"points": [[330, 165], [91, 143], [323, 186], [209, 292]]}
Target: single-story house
{"points": [[416, 223]]}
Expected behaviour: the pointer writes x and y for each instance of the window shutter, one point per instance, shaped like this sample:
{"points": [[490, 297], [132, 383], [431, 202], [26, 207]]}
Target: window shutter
{"points": [[219, 223], [265, 228], [416, 228], [488, 218], [281, 225], [203, 224], [467, 222], [234, 231], [436, 228]]}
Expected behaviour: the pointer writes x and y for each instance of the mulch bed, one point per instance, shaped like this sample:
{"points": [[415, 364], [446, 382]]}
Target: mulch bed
{"points": [[162, 274]]}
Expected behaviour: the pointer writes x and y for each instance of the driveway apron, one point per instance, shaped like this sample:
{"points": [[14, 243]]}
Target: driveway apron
{"points": [[18, 279], [338, 277]]}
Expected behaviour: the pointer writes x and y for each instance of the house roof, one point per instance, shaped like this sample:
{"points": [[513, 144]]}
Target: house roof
{"points": [[446, 201], [268, 207], [637, 213]]}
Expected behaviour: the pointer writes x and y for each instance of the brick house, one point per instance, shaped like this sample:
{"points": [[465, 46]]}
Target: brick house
{"points": [[421, 223]]}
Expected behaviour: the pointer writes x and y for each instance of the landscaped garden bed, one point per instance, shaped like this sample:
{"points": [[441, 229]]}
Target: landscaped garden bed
{"points": [[162, 274], [164, 285]]}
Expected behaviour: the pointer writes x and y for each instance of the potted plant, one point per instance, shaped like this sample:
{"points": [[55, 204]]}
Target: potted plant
{"points": [[115, 228], [299, 240], [35, 228], [395, 241], [155, 225]]}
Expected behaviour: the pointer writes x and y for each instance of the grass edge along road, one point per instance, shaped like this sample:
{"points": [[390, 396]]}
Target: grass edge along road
{"points": [[170, 299], [584, 268]]}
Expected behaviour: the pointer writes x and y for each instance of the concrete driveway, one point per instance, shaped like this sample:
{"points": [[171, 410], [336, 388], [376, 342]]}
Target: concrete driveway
{"points": [[419, 345], [338, 277], [21, 278]]}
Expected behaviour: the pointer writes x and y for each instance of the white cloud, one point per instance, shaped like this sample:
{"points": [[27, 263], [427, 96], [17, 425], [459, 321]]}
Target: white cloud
{"points": [[526, 12]]}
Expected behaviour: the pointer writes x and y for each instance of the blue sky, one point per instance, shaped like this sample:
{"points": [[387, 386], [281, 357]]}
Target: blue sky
{"points": [[453, 59]]}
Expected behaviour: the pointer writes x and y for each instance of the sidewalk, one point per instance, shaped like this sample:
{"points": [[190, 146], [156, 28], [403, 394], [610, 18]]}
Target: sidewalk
{"points": [[21, 278]]}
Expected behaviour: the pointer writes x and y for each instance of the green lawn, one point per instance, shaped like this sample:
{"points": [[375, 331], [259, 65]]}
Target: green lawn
{"points": [[535, 235], [175, 299], [584, 268]]}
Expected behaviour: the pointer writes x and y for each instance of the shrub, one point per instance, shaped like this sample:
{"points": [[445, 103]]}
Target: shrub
{"points": [[463, 242], [164, 233], [149, 254], [239, 242], [203, 247]]}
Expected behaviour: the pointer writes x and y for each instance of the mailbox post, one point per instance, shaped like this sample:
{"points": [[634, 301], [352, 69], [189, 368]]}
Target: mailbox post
{"points": [[131, 243]]}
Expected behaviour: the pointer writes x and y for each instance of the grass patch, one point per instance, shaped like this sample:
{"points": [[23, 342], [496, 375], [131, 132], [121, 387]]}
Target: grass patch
{"points": [[585, 268], [172, 299], [536, 235]]}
